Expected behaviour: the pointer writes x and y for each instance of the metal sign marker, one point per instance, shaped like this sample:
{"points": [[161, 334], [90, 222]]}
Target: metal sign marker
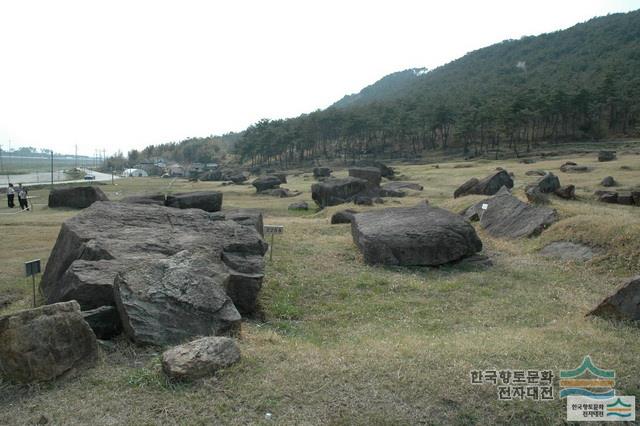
{"points": [[273, 230], [31, 268]]}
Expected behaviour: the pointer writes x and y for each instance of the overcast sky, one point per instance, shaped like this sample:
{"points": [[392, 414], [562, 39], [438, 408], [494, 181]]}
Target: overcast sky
{"points": [[125, 74]]}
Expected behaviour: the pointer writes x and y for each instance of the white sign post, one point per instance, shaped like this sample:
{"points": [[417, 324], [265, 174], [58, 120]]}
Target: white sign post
{"points": [[273, 230]]}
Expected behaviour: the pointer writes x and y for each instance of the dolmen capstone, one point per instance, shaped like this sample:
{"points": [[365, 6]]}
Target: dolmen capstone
{"points": [[335, 191], [490, 185], [506, 216], [172, 274], [370, 174], [413, 236], [77, 197], [264, 183], [44, 343], [210, 201], [623, 304]]}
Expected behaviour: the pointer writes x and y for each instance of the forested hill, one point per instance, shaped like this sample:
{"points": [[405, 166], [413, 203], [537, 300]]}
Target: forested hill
{"points": [[391, 87], [582, 83]]}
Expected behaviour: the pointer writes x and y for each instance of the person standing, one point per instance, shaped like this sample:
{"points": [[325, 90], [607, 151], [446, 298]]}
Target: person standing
{"points": [[22, 197], [11, 193]]}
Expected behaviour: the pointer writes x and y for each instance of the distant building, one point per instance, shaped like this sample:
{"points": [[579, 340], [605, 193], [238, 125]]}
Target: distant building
{"points": [[175, 170], [134, 173]]}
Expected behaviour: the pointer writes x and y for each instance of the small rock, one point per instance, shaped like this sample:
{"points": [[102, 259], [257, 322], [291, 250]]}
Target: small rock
{"points": [[300, 205], [568, 192], [606, 155], [343, 216], [608, 181], [200, 358]]}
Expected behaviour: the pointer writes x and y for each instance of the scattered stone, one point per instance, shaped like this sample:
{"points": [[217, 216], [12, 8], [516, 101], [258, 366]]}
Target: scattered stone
{"points": [[623, 304], [465, 188], [548, 183], [281, 176], [607, 196], [535, 172], [104, 321], [264, 183], [421, 236], [156, 199], [321, 172], [536, 196], [508, 217], [527, 161], [280, 192], [300, 205], [625, 168], [462, 166], [568, 192], [385, 171], [625, 199], [635, 196], [78, 197], [200, 358], [571, 167], [343, 216], [565, 250], [487, 186], [337, 191], [362, 200], [608, 181], [209, 201], [397, 186], [378, 200], [44, 343], [606, 156]]}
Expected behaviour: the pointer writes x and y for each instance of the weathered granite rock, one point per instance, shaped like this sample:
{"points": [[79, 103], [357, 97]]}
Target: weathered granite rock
{"points": [[607, 196], [280, 192], [623, 304], [608, 181], [337, 191], [487, 186], [397, 186], [508, 217], [343, 216], [571, 167], [300, 205], [535, 173], [46, 342], [170, 266], [157, 199], [104, 321], [266, 182], [200, 358], [79, 197], [209, 201], [536, 196], [421, 235], [385, 171], [321, 172], [281, 176], [606, 155], [370, 174], [547, 183], [568, 192], [362, 200], [247, 217]]}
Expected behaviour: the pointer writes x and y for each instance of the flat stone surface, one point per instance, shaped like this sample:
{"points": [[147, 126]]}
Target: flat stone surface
{"points": [[79, 197], [565, 250], [421, 236]]}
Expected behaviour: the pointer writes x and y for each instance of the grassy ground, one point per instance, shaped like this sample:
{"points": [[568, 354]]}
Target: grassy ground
{"points": [[346, 343]]}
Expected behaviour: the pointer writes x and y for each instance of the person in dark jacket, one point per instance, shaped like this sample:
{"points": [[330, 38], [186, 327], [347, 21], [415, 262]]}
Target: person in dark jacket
{"points": [[11, 193], [22, 197]]}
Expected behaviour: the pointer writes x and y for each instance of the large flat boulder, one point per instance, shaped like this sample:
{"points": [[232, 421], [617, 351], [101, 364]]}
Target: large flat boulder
{"points": [[506, 216], [264, 183], [623, 304], [209, 201], [200, 358], [117, 253], [421, 236], [46, 342], [79, 197], [397, 186], [332, 192]]}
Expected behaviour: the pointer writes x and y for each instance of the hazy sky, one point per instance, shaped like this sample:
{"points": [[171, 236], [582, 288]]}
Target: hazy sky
{"points": [[125, 74]]}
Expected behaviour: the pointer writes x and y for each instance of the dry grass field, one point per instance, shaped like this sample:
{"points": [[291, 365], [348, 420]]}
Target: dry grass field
{"points": [[346, 343]]}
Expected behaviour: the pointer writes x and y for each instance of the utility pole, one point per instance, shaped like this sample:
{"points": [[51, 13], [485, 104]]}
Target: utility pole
{"points": [[52, 169], [1, 168], [76, 166]]}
